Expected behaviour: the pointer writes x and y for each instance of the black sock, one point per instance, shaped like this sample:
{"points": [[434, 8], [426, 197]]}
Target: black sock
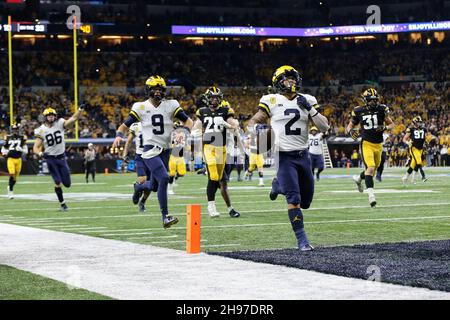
{"points": [[362, 175], [93, 176], [318, 172], [59, 194], [145, 195], [12, 182], [296, 219], [369, 181], [87, 176], [211, 189], [422, 173], [171, 179], [410, 170], [261, 175]]}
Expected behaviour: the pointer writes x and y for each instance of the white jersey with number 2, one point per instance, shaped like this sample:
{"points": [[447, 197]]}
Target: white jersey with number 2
{"points": [[289, 121]]}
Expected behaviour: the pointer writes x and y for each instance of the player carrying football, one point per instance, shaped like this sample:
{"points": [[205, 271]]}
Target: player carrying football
{"points": [[374, 119], [15, 146], [214, 120], [157, 116], [50, 137], [289, 112]]}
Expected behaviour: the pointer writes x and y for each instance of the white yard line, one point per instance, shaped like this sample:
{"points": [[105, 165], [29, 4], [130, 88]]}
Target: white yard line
{"points": [[151, 237], [126, 270], [23, 219]]}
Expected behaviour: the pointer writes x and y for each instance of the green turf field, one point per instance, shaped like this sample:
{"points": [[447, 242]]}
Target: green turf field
{"points": [[21, 285], [338, 215]]}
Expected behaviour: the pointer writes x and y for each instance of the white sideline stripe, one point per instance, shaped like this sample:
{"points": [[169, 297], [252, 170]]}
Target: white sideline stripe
{"points": [[124, 234], [125, 270], [81, 228], [35, 224], [221, 245], [174, 241], [152, 237], [23, 219], [287, 223]]}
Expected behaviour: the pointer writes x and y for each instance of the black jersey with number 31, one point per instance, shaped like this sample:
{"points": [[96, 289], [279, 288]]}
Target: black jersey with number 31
{"points": [[214, 133], [370, 119]]}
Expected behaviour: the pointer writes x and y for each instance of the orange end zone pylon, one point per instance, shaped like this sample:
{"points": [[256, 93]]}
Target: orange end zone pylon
{"points": [[193, 227]]}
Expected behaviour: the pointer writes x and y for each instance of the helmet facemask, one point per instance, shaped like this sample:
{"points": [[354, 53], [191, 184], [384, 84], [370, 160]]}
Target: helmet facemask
{"points": [[288, 82]]}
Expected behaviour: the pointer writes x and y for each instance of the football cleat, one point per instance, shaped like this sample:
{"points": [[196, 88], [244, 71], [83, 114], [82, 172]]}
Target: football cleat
{"points": [[378, 178], [424, 179], [372, 200], [136, 195], [170, 191], [169, 221], [358, 183], [212, 211], [234, 214], [141, 206], [261, 183], [273, 194], [307, 247], [10, 194], [64, 207]]}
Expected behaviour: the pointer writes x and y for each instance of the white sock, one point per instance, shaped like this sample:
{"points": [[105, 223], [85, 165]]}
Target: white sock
{"points": [[211, 204], [406, 176], [230, 208], [370, 191], [413, 176], [261, 180]]}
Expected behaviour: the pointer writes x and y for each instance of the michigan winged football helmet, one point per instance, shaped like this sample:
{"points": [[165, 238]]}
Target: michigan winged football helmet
{"points": [[214, 97], [370, 97], [49, 112], [313, 128], [283, 73], [153, 83]]}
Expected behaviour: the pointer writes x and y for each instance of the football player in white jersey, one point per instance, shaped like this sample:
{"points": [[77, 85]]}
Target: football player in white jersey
{"points": [[157, 116], [143, 173], [51, 145], [316, 151], [289, 112]]}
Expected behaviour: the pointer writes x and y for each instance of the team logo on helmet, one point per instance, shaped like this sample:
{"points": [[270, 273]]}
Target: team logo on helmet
{"points": [[283, 73], [155, 82], [214, 96], [370, 95]]}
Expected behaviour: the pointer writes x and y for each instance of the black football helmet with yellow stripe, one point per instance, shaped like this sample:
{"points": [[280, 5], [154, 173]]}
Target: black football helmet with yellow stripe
{"points": [[214, 97], [155, 87], [371, 97], [283, 73], [417, 122]]}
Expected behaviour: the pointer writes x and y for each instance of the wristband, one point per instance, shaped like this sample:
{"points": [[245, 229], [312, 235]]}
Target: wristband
{"points": [[313, 112], [119, 134]]}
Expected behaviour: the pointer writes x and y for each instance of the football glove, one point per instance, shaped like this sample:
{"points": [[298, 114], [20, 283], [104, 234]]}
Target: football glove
{"points": [[381, 128], [19, 148], [355, 134], [302, 102], [126, 159]]}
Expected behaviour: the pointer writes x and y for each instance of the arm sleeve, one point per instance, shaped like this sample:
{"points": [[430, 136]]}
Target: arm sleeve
{"points": [[264, 105], [38, 134], [355, 118], [180, 114]]}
